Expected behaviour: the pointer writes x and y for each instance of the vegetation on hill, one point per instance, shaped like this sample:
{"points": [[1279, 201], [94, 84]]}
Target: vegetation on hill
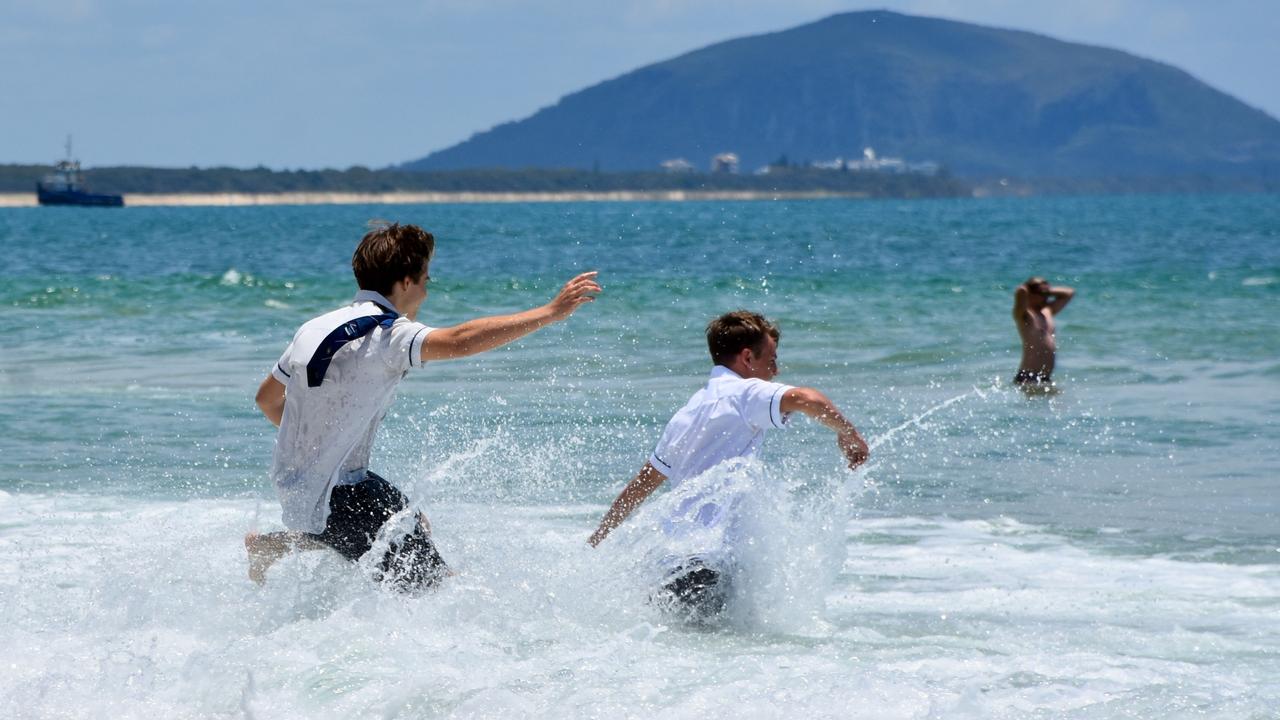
{"points": [[985, 102]]}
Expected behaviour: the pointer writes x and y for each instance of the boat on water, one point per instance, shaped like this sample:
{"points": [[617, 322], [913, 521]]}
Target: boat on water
{"points": [[65, 186]]}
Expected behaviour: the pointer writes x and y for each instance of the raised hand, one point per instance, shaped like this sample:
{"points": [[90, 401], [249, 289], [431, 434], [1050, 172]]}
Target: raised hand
{"points": [[581, 289]]}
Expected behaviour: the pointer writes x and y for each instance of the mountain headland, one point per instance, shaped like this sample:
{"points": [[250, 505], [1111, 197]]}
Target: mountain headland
{"points": [[861, 104], [981, 101]]}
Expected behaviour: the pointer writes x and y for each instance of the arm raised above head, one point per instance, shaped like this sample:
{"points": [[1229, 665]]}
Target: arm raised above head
{"points": [[819, 407], [1020, 302], [487, 333], [1061, 296]]}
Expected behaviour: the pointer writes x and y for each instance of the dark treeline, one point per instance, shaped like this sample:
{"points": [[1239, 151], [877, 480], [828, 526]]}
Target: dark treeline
{"points": [[22, 178]]}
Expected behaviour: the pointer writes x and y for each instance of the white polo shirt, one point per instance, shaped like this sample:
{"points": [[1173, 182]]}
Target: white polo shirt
{"points": [[726, 419], [327, 432]]}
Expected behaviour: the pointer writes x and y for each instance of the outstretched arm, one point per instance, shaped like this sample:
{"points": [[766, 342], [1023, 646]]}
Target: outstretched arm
{"points": [[820, 408], [640, 487], [270, 399], [1061, 296], [487, 333]]}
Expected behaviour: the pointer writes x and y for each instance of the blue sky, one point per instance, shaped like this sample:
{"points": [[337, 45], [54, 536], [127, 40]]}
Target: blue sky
{"points": [[328, 83]]}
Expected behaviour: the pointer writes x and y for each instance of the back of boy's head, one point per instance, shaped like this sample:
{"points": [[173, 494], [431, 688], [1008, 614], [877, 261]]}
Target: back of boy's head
{"points": [[389, 253], [730, 333]]}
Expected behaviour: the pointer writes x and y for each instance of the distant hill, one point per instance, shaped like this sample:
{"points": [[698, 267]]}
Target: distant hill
{"points": [[982, 101]]}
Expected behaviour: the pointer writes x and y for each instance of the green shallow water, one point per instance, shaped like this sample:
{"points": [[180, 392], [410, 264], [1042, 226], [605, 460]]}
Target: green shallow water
{"points": [[1110, 552], [136, 338]]}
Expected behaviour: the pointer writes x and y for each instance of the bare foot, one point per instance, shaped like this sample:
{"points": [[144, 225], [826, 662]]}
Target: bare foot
{"points": [[265, 550], [261, 555]]}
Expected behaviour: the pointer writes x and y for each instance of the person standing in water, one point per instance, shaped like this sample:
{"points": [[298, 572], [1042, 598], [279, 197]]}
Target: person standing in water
{"points": [[1035, 303], [333, 385], [724, 420]]}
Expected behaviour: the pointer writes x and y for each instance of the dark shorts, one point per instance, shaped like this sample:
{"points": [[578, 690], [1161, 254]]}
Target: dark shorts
{"points": [[1031, 377], [356, 514], [696, 590]]}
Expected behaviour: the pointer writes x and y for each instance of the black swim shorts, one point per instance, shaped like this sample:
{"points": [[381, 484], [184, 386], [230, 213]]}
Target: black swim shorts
{"points": [[1031, 377], [695, 589], [356, 514]]}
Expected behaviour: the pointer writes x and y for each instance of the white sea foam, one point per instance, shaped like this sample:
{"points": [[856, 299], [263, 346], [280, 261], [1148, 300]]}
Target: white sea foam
{"points": [[131, 608]]}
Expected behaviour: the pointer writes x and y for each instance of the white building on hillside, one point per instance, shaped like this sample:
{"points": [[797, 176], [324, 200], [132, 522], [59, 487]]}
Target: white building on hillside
{"points": [[677, 165], [725, 163]]}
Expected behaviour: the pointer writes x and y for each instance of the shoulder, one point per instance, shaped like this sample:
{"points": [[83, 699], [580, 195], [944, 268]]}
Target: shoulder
{"points": [[702, 397], [754, 391], [329, 320], [319, 326], [756, 385], [403, 325], [405, 340], [404, 330]]}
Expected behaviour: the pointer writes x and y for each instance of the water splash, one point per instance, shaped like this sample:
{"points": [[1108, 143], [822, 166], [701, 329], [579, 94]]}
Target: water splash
{"points": [[917, 420]]}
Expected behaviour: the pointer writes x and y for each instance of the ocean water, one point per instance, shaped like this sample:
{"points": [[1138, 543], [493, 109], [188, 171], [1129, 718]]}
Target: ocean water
{"points": [[1111, 551]]}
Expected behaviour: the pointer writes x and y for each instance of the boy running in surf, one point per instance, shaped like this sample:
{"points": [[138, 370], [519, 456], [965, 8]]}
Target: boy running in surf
{"points": [[334, 383], [724, 420]]}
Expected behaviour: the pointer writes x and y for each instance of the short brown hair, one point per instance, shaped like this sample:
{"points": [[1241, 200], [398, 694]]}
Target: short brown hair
{"points": [[730, 333], [390, 253]]}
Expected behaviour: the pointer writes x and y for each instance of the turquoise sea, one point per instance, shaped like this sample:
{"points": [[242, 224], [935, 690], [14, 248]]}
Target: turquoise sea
{"points": [[1110, 551]]}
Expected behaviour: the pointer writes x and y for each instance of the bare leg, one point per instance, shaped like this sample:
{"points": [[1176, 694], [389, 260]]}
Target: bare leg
{"points": [[265, 550]]}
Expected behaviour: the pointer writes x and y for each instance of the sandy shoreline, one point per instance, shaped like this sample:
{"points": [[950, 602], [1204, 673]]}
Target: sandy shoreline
{"points": [[400, 198]]}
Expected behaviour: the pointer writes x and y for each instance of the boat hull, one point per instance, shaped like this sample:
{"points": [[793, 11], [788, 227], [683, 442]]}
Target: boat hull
{"points": [[77, 197]]}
